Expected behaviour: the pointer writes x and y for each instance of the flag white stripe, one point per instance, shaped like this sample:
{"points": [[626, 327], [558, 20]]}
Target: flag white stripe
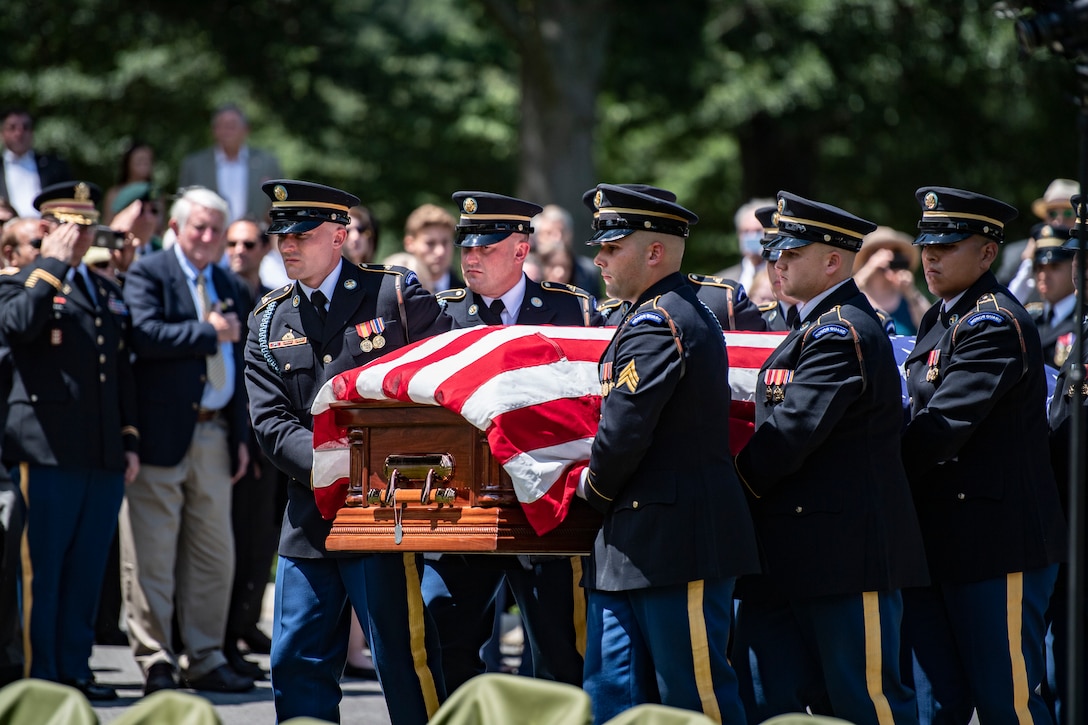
{"points": [[535, 471]]}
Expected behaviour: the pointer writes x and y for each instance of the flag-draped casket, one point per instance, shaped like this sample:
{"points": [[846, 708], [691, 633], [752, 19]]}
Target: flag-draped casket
{"points": [[473, 440]]}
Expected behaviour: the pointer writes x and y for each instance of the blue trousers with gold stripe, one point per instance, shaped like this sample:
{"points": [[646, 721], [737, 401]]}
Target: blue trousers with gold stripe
{"points": [[71, 518], [662, 645], [310, 635], [460, 593], [838, 655], [980, 647]]}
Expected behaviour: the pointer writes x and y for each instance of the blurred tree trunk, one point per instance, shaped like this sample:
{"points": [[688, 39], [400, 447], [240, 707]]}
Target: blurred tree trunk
{"points": [[561, 47]]}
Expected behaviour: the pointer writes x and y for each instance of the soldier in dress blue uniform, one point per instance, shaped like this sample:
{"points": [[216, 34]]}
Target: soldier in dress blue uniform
{"points": [[676, 531], [1053, 268], [70, 429], [460, 591], [820, 627], [725, 297], [334, 317], [1066, 396], [780, 315], [976, 453]]}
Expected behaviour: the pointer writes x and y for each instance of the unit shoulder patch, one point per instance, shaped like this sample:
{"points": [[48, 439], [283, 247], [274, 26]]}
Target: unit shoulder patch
{"points": [[649, 317], [829, 329], [980, 317]]}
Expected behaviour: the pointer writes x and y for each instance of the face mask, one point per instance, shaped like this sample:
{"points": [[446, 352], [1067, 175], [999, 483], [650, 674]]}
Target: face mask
{"points": [[750, 242]]}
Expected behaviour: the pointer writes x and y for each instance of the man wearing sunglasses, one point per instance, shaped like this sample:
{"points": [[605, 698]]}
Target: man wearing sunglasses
{"points": [[1017, 269], [246, 247]]}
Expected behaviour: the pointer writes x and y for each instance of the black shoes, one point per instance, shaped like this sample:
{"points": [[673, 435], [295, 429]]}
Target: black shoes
{"points": [[160, 676], [257, 641], [92, 690], [221, 679], [241, 665]]}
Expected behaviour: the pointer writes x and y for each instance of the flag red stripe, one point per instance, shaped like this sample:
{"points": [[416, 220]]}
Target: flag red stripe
{"points": [[544, 424]]}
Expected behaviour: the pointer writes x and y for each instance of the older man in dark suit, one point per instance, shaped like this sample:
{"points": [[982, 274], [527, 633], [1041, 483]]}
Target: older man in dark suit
{"points": [[26, 172], [176, 537]]}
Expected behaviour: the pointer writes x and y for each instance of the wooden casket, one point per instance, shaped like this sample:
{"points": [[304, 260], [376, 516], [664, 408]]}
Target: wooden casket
{"points": [[423, 479]]}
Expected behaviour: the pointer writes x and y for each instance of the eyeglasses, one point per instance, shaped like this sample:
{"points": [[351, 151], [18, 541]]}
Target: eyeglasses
{"points": [[1059, 213], [248, 244]]}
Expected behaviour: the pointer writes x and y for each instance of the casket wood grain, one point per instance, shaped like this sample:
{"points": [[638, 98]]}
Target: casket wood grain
{"points": [[484, 515]]}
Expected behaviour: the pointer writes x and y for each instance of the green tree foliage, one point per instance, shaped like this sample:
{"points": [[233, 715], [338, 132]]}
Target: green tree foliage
{"points": [[854, 102]]}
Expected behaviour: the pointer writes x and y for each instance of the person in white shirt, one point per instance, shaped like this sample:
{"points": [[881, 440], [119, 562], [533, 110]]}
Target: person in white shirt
{"points": [[231, 167], [26, 172]]}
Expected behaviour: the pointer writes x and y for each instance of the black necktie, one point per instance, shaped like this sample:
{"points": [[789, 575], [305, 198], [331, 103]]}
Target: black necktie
{"points": [[792, 318], [1048, 318], [495, 308], [317, 299], [81, 284]]}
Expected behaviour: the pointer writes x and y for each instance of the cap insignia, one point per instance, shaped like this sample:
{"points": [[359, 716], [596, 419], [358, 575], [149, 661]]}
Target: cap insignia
{"points": [[781, 205], [598, 198], [1046, 232], [774, 219], [930, 200], [280, 192], [469, 205], [83, 192]]}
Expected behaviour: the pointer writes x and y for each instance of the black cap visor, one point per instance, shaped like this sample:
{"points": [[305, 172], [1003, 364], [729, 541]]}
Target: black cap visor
{"points": [[926, 238], [293, 226], [468, 239], [604, 236], [785, 241]]}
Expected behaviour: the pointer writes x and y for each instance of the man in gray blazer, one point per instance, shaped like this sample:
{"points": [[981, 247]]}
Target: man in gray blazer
{"points": [[231, 167]]}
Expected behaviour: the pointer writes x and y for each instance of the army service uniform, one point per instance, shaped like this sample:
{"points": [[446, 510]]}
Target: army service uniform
{"points": [[290, 353], [820, 626], [977, 457]]}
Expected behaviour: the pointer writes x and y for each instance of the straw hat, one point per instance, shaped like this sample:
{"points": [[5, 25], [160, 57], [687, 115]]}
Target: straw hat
{"points": [[887, 238]]}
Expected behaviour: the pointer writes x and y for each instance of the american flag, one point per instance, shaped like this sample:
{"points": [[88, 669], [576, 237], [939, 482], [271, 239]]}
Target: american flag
{"points": [[534, 390]]}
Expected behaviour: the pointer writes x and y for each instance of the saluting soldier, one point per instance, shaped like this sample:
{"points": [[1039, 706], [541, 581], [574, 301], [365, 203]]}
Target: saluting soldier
{"points": [[334, 317], [726, 298], [976, 454], [676, 531], [460, 591], [70, 430], [829, 496], [1066, 396]]}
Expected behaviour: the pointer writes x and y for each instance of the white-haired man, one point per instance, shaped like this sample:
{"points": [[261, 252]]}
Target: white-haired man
{"points": [[176, 539]]}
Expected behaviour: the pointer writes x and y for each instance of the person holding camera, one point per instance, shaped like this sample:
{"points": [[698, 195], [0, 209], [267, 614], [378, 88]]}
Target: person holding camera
{"points": [[884, 272], [70, 430]]}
